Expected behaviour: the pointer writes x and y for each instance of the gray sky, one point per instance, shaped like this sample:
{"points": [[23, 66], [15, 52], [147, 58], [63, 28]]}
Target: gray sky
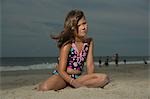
{"points": [[117, 26]]}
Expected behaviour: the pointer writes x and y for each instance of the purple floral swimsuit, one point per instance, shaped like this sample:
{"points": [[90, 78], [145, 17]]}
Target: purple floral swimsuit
{"points": [[75, 59]]}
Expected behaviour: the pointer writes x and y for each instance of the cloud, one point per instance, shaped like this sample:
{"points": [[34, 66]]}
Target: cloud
{"points": [[112, 24]]}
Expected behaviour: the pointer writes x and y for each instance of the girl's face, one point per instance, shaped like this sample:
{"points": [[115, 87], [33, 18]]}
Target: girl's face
{"points": [[82, 28]]}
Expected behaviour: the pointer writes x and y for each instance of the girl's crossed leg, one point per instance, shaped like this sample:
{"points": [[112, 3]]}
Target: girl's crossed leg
{"points": [[55, 82], [94, 80]]}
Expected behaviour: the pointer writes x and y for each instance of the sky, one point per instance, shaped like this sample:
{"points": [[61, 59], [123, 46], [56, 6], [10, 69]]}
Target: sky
{"points": [[116, 26]]}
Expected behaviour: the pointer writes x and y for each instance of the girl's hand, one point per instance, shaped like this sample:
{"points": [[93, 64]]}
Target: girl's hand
{"points": [[75, 83]]}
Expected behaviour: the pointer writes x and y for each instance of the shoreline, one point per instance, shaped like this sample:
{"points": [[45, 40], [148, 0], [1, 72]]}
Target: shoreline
{"points": [[128, 82], [52, 66]]}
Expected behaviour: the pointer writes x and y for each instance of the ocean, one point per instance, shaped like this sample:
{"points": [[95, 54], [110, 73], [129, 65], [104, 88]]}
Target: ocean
{"points": [[33, 63]]}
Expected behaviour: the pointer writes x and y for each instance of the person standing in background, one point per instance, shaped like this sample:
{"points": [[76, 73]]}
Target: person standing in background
{"points": [[99, 61], [107, 61], [124, 61], [116, 59]]}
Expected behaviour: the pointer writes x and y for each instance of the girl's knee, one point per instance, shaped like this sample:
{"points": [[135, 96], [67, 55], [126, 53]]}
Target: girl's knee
{"points": [[104, 78], [43, 87]]}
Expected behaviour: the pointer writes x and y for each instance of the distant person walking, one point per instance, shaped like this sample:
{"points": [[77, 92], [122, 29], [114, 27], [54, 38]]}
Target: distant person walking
{"points": [[124, 61], [107, 61], [99, 61], [116, 59]]}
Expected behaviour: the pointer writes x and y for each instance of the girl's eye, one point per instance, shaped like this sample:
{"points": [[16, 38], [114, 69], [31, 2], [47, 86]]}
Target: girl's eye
{"points": [[82, 24], [79, 25]]}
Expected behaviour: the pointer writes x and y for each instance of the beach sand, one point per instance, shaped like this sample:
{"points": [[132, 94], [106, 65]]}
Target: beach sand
{"points": [[127, 82]]}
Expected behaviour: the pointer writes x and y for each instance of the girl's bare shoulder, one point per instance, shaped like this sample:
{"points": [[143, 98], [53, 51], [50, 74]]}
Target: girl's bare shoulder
{"points": [[66, 47], [88, 40]]}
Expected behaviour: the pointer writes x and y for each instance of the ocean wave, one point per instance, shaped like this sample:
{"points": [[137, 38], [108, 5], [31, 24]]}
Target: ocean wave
{"points": [[29, 67], [53, 65]]}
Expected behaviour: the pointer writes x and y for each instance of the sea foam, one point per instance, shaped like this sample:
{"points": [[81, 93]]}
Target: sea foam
{"points": [[53, 65]]}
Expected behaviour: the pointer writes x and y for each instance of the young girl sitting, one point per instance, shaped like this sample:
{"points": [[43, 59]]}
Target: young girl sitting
{"points": [[75, 49]]}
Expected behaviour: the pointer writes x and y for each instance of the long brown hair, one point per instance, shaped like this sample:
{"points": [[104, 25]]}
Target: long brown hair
{"points": [[70, 27]]}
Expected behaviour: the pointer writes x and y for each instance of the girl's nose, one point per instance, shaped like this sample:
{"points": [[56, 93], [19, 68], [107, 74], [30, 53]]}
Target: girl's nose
{"points": [[83, 28]]}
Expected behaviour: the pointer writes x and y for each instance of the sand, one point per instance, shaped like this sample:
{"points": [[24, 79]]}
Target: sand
{"points": [[128, 82]]}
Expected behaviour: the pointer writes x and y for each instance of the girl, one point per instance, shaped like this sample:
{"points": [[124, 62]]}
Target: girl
{"points": [[75, 48]]}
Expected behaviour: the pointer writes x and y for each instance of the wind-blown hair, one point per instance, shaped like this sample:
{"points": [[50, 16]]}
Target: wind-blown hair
{"points": [[70, 27]]}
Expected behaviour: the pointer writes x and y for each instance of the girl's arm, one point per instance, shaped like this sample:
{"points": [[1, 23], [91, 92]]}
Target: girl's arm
{"points": [[90, 61], [64, 51]]}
